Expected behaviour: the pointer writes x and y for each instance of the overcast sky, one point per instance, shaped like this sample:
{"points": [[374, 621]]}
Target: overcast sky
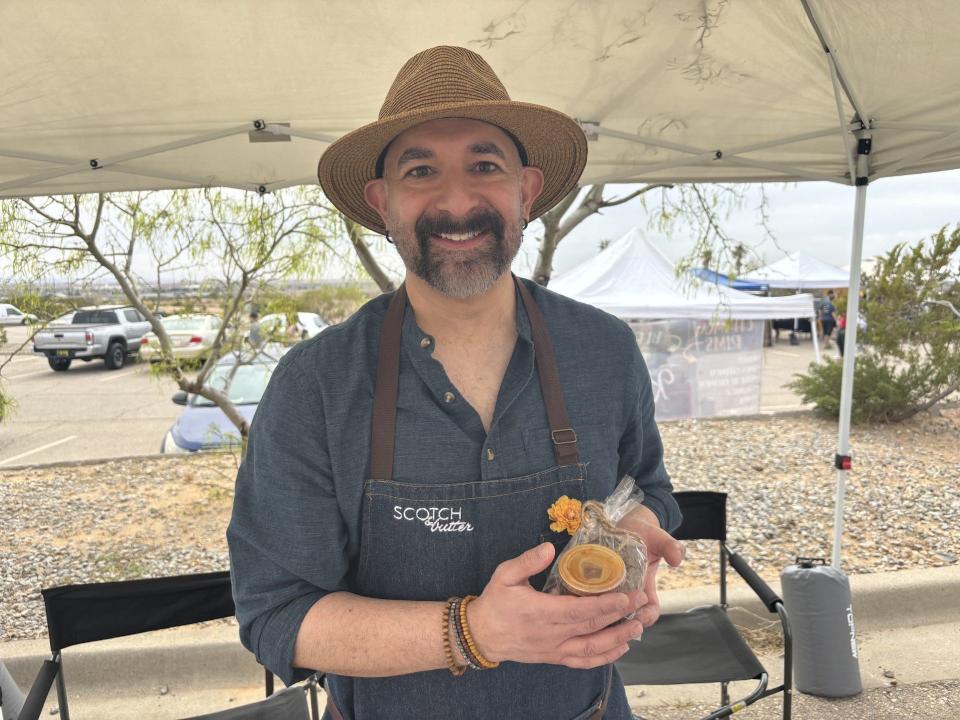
{"points": [[815, 217]]}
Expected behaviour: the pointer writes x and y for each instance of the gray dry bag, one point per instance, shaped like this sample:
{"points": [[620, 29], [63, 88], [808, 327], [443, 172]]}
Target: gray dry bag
{"points": [[817, 599]]}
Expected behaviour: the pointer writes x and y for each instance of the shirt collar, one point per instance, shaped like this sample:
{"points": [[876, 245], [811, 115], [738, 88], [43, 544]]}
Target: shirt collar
{"points": [[416, 340]]}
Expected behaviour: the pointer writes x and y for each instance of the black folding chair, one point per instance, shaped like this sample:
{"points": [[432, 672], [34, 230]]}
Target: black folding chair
{"points": [[703, 645], [79, 614]]}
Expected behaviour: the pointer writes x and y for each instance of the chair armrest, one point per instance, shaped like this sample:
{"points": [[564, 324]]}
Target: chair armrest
{"points": [[33, 705], [767, 596]]}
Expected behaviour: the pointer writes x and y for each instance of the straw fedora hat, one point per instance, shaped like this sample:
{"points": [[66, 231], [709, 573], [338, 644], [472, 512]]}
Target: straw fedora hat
{"points": [[452, 82]]}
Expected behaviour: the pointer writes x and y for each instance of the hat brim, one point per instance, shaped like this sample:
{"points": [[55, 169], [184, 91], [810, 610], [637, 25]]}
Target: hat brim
{"points": [[554, 143]]}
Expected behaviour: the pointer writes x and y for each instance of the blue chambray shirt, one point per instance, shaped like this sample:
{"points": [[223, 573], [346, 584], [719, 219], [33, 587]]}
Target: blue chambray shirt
{"points": [[295, 531]]}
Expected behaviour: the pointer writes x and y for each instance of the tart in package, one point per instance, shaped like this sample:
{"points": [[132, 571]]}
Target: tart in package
{"points": [[601, 557]]}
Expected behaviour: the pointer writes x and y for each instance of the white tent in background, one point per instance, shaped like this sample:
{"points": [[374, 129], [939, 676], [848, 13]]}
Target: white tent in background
{"points": [[111, 95], [702, 342], [631, 278], [800, 271]]}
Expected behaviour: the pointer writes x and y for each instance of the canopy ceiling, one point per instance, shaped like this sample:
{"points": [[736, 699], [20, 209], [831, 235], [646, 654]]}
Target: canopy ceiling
{"points": [[164, 95], [632, 279], [801, 271]]}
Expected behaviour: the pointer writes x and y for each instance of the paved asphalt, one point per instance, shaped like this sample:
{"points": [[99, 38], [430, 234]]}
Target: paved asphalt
{"points": [[90, 412], [84, 413]]}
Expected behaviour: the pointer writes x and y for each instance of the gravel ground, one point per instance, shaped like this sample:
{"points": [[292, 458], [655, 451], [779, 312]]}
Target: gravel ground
{"points": [[162, 516]]}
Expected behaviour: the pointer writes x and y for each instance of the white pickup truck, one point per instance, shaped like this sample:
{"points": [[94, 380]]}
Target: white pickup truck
{"points": [[109, 332]]}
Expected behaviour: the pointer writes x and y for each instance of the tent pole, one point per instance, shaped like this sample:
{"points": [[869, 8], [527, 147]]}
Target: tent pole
{"points": [[842, 460], [816, 341]]}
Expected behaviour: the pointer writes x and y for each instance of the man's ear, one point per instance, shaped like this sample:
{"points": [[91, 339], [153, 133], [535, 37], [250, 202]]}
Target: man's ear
{"points": [[531, 185], [375, 193]]}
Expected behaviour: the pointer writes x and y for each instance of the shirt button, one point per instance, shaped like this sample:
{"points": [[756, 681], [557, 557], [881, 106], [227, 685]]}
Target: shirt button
{"points": [[490, 454], [425, 342], [449, 397]]}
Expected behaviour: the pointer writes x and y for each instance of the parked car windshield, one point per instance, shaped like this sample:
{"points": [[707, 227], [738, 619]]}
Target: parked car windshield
{"points": [[246, 382], [94, 317], [177, 324]]}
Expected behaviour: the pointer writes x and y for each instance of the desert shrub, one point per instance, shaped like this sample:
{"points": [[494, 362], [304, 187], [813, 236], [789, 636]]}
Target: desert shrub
{"points": [[911, 357]]}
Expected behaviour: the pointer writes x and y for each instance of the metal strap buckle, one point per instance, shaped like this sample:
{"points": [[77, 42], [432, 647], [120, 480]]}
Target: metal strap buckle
{"points": [[572, 436]]}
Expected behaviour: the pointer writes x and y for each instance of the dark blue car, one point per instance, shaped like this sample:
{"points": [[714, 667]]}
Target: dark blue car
{"points": [[204, 426]]}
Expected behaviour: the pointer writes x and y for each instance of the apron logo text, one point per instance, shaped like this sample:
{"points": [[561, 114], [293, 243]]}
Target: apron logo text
{"points": [[438, 519]]}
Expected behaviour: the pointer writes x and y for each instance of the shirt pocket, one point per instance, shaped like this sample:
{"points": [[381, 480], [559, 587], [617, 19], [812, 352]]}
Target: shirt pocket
{"points": [[598, 445]]}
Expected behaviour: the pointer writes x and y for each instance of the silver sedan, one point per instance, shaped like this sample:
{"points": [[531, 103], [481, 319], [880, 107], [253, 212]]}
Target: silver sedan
{"points": [[191, 336]]}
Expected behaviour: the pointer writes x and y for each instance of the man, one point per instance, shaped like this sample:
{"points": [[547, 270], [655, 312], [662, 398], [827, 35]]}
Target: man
{"points": [[828, 316], [409, 455], [255, 335]]}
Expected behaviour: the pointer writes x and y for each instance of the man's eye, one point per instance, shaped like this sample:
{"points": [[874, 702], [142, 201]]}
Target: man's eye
{"points": [[420, 171], [485, 166]]}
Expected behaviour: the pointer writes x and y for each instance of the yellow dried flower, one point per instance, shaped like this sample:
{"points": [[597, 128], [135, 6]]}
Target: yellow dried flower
{"points": [[565, 513]]}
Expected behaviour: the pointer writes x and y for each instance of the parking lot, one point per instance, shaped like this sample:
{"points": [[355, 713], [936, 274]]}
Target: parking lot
{"points": [[85, 413], [90, 412]]}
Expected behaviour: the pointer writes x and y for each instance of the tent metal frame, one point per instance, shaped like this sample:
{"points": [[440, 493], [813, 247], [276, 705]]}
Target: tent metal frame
{"points": [[856, 135], [857, 138]]}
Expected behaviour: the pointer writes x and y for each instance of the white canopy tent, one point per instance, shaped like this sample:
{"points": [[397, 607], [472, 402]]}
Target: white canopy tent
{"points": [[800, 271], [632, 278], [111, 95]]}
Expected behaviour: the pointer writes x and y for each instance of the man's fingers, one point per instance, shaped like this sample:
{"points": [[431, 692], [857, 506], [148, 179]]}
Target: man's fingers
{"points": [[601, 641], [567, 609], [636, 599], [649, 614], [581, 663], [518, 570], [659, 542], [601, 644]]}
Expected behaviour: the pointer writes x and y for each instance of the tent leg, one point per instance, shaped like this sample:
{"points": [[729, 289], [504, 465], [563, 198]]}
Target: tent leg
{"points": [[816, 341], [850, 344]]}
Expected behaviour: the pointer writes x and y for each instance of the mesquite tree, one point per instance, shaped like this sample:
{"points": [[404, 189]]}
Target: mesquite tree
{"points": [[242, 240]]}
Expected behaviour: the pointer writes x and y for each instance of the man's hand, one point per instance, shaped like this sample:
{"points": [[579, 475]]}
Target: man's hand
{"points": [[660, 546], [512, 621]]}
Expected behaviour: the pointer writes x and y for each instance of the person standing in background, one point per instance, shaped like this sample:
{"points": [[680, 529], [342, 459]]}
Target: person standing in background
{"points": [[828, 313]]}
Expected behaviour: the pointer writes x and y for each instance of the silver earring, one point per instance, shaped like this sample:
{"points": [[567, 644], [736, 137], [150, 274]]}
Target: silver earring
{"points": [[387, 236], [525, 223]]}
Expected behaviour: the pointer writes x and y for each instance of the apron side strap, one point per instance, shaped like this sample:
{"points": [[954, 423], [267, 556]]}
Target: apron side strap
{"points": [[561, 431], [383, 431]]}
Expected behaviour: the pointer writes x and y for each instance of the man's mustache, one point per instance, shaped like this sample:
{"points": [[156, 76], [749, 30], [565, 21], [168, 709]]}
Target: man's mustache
{"points": [[478, 221]]}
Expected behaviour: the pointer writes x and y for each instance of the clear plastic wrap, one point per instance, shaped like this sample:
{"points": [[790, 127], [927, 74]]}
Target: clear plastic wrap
{"points": [[586, 566]]}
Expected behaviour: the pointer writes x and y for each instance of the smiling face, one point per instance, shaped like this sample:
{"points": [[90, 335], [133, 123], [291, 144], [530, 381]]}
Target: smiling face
{"points": [[454, 197]]}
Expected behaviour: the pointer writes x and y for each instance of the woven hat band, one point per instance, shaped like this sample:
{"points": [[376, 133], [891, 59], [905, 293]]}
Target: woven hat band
{"points": [[442, 75]]}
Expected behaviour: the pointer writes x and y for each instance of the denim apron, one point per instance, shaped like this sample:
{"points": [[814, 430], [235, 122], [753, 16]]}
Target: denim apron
{"points": [[433, 540]]}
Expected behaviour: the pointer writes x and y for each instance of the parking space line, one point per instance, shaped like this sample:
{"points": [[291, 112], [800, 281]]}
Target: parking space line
{"points": [[114, 375], [39, 449], [784, 353], [23, 375], [24, 359]]}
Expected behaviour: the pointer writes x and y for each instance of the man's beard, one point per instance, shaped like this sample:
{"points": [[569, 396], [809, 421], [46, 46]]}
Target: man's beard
{"points": [[460, 273]]}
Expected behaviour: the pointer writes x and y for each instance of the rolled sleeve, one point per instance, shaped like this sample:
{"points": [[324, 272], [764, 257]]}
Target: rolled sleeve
{"points": [[641, 449], [286, 537]]}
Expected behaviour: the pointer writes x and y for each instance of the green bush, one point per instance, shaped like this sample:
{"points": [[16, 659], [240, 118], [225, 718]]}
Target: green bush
{"points": [[880, 393], [911, 358]]}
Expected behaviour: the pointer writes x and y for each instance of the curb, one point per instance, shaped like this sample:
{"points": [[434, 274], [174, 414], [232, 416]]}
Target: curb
{"points": [[188, 658], [101, 461], [213, 656], [900, 599]]}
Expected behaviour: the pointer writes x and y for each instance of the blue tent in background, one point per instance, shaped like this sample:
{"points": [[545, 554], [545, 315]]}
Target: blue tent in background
{"points": [[710, 276]]}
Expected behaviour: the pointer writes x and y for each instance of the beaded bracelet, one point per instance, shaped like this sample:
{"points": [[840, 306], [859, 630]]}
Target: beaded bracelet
{"points": [[468, 638], [458, 636], [456, 670]]}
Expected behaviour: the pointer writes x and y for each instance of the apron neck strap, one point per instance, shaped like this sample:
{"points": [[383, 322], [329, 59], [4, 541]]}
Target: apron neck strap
{"points": [[561, 432], [384, 421]]}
